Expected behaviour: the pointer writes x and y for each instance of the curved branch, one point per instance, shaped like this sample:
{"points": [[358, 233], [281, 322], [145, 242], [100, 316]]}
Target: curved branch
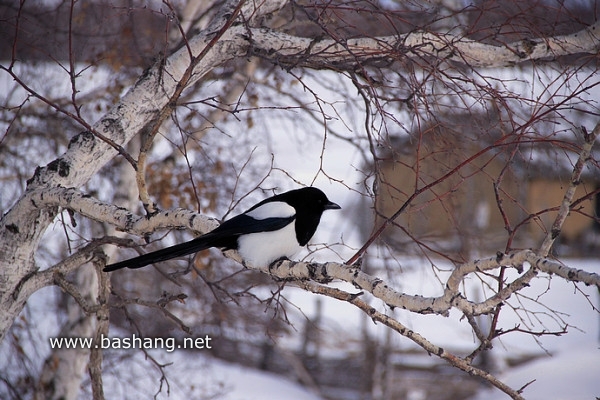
{"points": [[324, 273], [565, 206], [121, 218], [292, 51]]}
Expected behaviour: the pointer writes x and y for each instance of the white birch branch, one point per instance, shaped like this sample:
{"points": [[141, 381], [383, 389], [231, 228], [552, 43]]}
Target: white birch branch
{"points": [[327, 272], [327, 53], [565, 205]]}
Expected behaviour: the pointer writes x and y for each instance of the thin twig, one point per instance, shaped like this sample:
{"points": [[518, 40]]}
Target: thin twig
{"points": [[565, 206]]}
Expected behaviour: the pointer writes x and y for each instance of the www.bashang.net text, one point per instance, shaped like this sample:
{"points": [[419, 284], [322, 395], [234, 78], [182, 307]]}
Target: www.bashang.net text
{"points": [[131, 342]]}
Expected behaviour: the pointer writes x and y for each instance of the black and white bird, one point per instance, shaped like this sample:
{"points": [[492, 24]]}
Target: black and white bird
{"points": [[277, 227]]}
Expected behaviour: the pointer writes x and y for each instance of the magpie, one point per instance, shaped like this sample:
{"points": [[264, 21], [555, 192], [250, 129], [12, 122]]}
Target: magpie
{"points": [[277, 227]]}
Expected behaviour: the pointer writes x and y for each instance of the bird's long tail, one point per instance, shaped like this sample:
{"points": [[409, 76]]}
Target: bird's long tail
{"points": [[179, 250]]}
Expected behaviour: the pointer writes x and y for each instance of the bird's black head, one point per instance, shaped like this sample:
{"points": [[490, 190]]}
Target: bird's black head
{"points": [[309, 203], [308, 198]]}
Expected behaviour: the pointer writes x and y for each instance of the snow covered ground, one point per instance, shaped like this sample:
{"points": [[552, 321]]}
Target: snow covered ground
{"points": [[194, 376]]}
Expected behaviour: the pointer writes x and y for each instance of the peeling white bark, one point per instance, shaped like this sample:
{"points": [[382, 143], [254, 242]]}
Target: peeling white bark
{"points": [[291, 50]]}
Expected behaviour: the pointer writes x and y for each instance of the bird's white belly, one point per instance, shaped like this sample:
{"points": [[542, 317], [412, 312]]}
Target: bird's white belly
{"points": [[261, 249]]}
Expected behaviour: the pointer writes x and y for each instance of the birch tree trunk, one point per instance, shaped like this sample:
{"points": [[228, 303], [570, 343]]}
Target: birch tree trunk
{"points": [[63, 369], [24, 225]]}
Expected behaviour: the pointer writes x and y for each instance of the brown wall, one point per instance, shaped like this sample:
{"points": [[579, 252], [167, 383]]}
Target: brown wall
{"points": [[546, 193], [462, 213]]}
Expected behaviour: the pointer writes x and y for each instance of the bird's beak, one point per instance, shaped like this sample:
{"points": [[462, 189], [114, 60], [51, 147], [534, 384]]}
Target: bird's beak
{"points": [[332, 206]]}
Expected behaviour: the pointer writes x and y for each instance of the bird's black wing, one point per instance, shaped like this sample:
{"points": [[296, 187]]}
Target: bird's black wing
{"points": [[244, 224], [224, 236]]}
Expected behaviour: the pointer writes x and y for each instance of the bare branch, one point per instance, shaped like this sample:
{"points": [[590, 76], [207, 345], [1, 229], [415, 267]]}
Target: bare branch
{"points": [[565, 206], [121, 218], [332, 54]]}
